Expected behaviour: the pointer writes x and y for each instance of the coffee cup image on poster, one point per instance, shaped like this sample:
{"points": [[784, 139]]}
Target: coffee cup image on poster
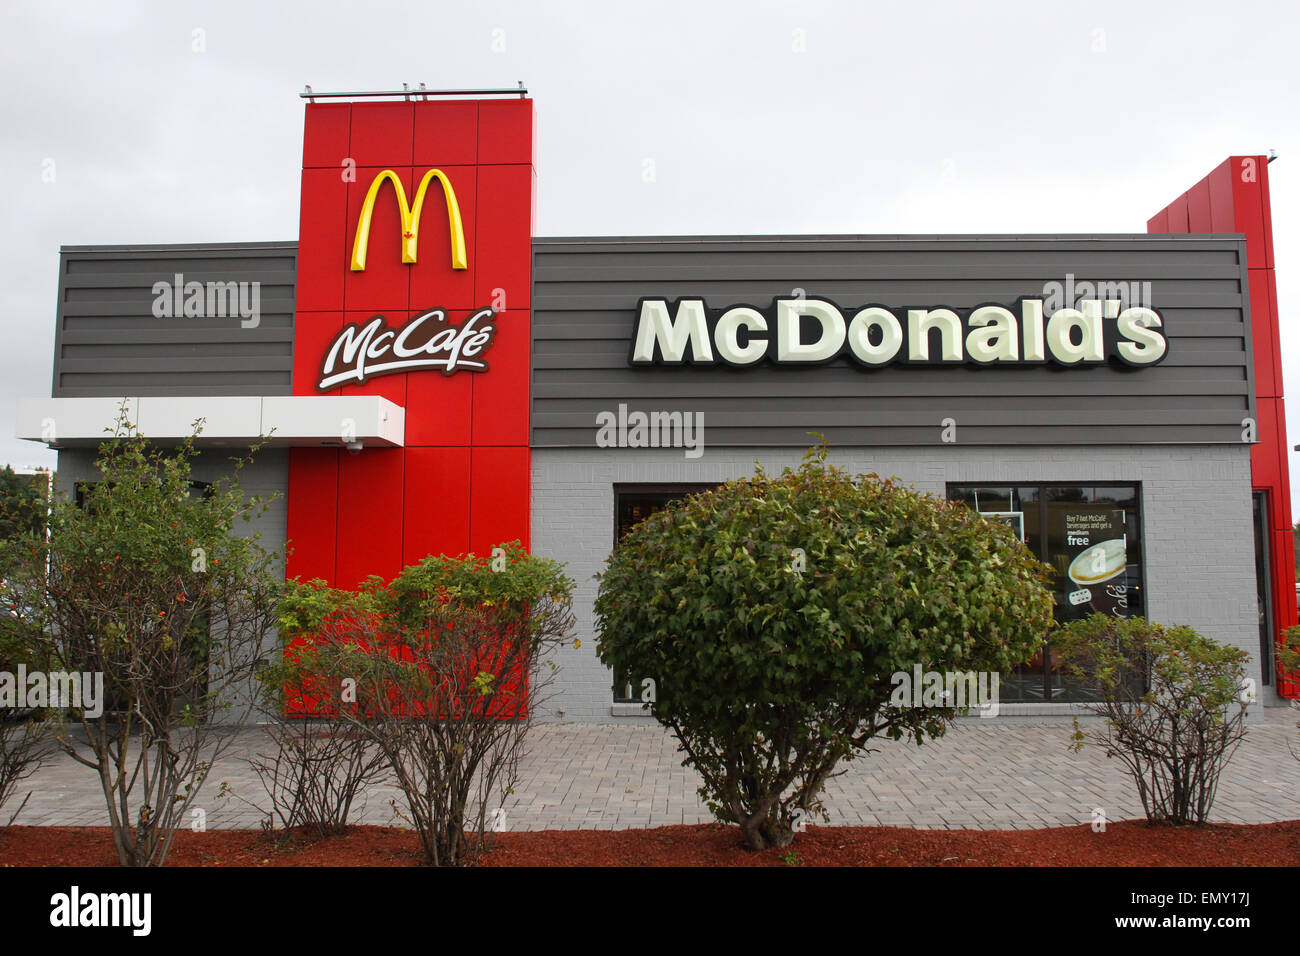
{"points": [[1096, 559]]}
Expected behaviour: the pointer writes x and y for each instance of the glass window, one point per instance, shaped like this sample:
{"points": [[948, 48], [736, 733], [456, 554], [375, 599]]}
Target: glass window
{"points": [[1091, 538]]}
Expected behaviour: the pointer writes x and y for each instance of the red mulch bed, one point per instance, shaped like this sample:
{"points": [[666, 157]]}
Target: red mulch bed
{"points": [[1131, 843]]}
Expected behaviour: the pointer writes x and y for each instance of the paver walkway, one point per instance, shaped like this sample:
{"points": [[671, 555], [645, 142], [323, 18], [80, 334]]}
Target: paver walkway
{"points": [[1009, 773]]}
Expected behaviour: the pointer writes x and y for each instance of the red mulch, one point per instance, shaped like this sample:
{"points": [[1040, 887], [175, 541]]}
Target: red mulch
{"points": [[1131, 843]]}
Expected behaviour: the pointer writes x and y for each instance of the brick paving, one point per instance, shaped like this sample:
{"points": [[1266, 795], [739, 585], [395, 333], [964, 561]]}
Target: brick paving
{"points": [[1008, 773]]}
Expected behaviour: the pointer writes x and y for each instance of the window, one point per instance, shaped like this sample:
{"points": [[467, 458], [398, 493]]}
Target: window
{"points": [[1091, 537]]}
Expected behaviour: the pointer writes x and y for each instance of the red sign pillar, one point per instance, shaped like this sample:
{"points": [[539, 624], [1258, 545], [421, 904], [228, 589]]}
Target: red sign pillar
{"points": [[461, 483], [1234, 198]]}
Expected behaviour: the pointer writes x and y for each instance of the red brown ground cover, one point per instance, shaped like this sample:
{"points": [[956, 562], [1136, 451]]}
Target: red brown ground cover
{"points": [[1131, 843]]}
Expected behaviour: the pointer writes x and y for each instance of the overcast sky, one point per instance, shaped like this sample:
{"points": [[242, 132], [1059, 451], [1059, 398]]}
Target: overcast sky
{"points": [[758, 117]]}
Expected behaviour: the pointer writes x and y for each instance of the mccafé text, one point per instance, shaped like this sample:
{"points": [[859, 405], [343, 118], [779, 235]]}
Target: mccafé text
{"points": [[365, 350], [801, 331]]}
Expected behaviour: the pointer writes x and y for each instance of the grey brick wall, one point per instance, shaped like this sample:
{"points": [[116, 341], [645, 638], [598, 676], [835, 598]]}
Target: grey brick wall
{"points": [[266, 475], [1200, 561]]}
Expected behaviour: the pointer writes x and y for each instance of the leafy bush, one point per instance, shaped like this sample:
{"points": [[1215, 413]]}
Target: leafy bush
{"points": [[442, 670], [318, 767], [22, 504], [773, 614], [1173, 705], [145, 583]]}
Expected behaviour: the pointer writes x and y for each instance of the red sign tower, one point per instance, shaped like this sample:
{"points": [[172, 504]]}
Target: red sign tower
{"points": [[461, 481]]}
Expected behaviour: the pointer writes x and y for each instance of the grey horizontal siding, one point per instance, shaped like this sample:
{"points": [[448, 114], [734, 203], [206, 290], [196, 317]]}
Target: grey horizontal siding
{"points": [[109, 343], [585, 294]]}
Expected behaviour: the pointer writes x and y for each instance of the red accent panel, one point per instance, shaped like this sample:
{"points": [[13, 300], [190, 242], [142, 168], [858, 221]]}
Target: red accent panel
{"points": [[310, 508], [1263, 333], [1284, 548], [343, 513], [435, 509], [505, 131], [1199, 218], [501, 393], [446, 133], [312, 334], [1159, 223], [438, 407], [532, 219], [499, 503], [1177, 211], [1222, 217], [1270, 290], [1264, 460], [1268, 465], [1247, 201], [381, 134], [325, 136], [322, 261], [434, 283], [369, 484], [384, 284], [505, 203], [1266, 211]]}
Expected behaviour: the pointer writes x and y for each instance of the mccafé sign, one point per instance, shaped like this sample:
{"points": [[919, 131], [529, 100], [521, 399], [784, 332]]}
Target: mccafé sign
{"points": [[799, 331], [366, 350]]}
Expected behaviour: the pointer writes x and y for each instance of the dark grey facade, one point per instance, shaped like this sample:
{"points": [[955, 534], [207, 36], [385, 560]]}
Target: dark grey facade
{"points": [[1173, 429], [110, 342], [585, 295]]}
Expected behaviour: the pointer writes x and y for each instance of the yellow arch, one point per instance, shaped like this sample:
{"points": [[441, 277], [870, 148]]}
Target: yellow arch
{"points": [[410, 219]]}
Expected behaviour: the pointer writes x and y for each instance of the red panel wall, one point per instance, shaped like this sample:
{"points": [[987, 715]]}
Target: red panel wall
{"points": [[312, 504], [462, 481], [436, 501], [1234, 198]]}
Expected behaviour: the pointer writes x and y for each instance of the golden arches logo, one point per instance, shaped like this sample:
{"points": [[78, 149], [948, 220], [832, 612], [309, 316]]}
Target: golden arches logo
{"points": [[410, 219]]}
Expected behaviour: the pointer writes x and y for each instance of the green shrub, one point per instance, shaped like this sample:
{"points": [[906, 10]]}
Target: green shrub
{"points": [[146, 586], [1288, 651], [441, 670], [772, 615], [1173, 704]]}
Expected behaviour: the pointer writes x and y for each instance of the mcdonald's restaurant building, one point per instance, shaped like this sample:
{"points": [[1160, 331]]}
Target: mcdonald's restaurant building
{"points": [[436, 378]]}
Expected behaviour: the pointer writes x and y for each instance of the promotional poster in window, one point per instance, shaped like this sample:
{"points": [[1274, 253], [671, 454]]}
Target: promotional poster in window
{"points": [[1096, 555]]}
